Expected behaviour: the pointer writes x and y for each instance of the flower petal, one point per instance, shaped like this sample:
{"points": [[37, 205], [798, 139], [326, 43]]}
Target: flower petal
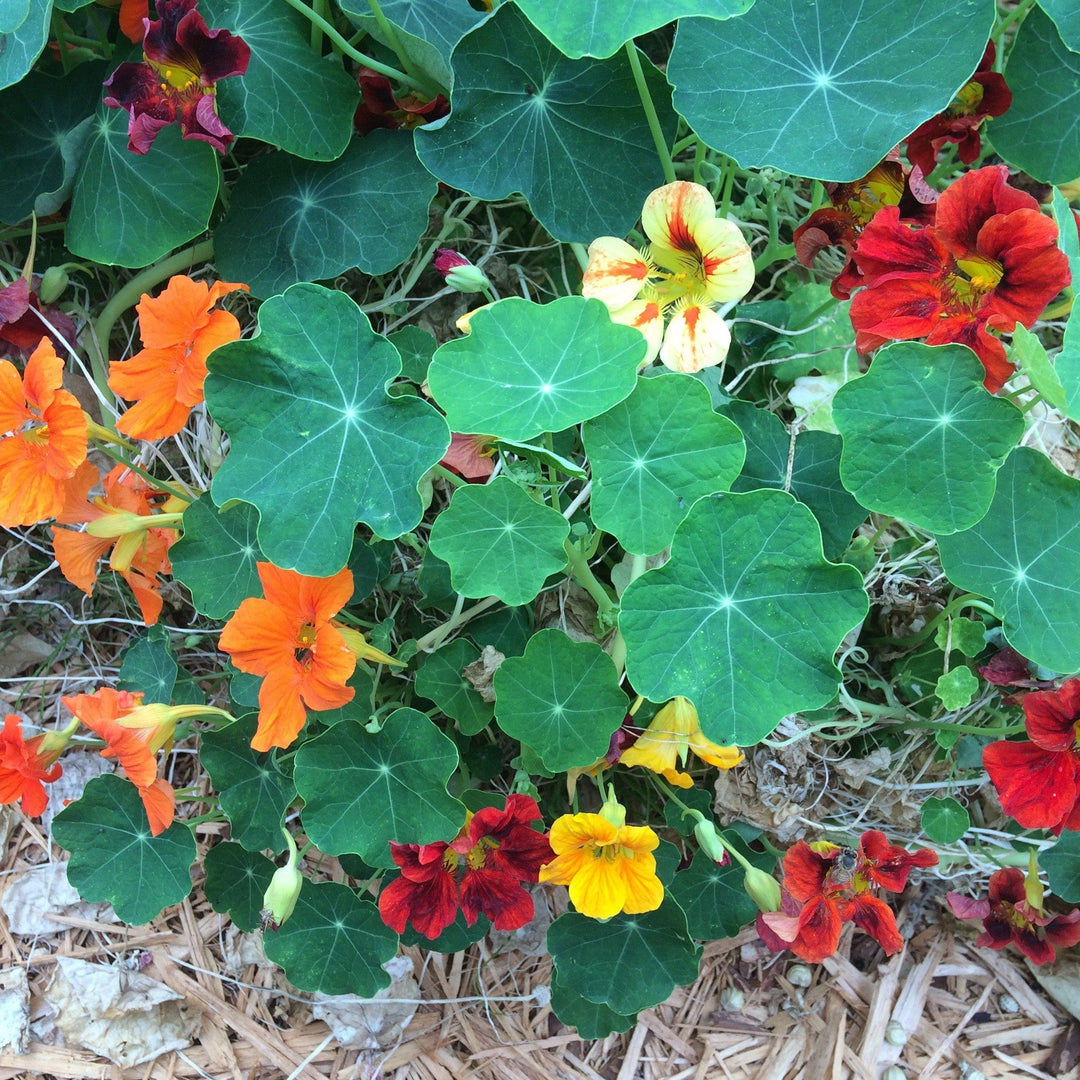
{"points": [[1037, 787], [696, 338], [674, 213], [615, 274]]}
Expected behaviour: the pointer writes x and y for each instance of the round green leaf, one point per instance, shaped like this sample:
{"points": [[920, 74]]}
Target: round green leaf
{"points": [[317, 444], [236, 882], [254, 794], [956, 688], [457, 937], [815, 472], [654, 455], [149, 666], [440, 680], [365, 789], [527, 368], [570, 135], [944, 820], [1063, 12], [1062, 866], [923, 440], [1067, 361], [13, 13], [812, 88], [1025, 555], [114, 857], [216, 556], [713, 897], [590, 1020], [130, 209], [1041, 130], [629, 962], [584, 28], [291, 220], [23, 44], [290, 96], [499, 542], [562, 698], [745, 617], [335, 942]]}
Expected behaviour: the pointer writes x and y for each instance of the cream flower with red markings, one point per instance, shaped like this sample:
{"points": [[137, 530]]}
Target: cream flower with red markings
{"points": [[694, 261]]}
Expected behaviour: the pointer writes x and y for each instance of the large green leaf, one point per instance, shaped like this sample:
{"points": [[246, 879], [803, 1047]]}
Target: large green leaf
{"points": [[216, 556], [292, 220], [254, 794], [335, 942], [629, 962], [812, 88], [713, 897], [528, 368], [923, 440], [570, 135], [130, 209], [1041, 130], [815, 471], [115, 858], [22, 45], [1062, 866], [317, 444], [1063, 12], [499, 542], [440, 680], [654, 455], [584, 28], [1025, 555], [1067, 362], [562, 698], [44, 123], [589, 1019], [290, 96], [745, 617], [236, 882], [364, 789], [13, 13]]}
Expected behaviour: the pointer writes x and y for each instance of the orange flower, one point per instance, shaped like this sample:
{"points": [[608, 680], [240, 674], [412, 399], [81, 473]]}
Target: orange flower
{"points": [[288, 637], [27, 765], [118, 519], [178, 331], [42, 438]]}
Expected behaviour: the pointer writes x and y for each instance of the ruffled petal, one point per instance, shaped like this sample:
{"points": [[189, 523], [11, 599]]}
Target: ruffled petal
{"points": [[616, 273], [674, 214], [1037, 787], [696, 338]]}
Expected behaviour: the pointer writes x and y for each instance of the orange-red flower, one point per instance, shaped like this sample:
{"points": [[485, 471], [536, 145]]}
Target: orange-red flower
{"points": [[179, 330], [287, 636], [119, 519], [26, 765], [42, 438]]}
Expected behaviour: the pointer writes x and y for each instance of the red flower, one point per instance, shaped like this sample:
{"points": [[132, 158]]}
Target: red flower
{"points": [[481, 871], [837, 885], [470, 456], [381, 108], [21, 328], [1038, 782], [984, 94], [27, 765], [175, 83], [1010, 916], [990, 260], [853, 207]]}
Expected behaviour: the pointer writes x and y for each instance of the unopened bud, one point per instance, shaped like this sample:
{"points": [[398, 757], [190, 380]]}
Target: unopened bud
{"points": [[705, 831], [895, 1033], [731, 999], [53, 283], [763, 889], [894, 1072], [799, 975], [284, 890], [459, 273]]}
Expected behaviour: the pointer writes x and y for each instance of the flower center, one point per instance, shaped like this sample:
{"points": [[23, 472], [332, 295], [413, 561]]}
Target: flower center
{"points": [[983, 274], [305, 644], [967, 102], [174, 76]]}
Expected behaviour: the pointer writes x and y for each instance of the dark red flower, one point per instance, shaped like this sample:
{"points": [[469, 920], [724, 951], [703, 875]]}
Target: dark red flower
{"points": [[21, 330], [1010, 916], [382, 108], [1007, 668], [1038, 781], [984, 94], [835, 885], [853, 206], [481, 871], [184, 59], [990, 260]]}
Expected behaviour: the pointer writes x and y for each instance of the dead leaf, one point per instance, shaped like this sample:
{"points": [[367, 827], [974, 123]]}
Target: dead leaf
{"points": [[22, 651], [480, 672], [44, 891], [372, 1023], [14, 1009]]}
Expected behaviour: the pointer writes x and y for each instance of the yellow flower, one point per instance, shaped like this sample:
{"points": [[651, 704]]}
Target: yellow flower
{"points": [[609, 868], [694, 260], [664, 743]]}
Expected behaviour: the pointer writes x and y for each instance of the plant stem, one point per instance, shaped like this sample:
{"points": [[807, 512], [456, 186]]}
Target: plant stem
{"points": [[583, 575], [971, 600], [394, 41], [432, 640], [650, 112]]}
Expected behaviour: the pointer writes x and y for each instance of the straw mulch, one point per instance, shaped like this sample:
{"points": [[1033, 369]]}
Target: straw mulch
{"points": [[481, 1016]]}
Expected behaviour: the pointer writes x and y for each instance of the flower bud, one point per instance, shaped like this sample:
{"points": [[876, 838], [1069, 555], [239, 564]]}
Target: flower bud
{"points": [[763, 889], [284, 889], [459, 273], [705, 831], [53, 283], [1033, 887], [895, 1034], [613, 810]]}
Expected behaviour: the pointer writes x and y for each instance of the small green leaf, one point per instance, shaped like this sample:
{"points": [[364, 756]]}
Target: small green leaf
{"points": [[629, 962], [114, 857], [527, 368], [744, 619], [562, 697], [236, 881], [1029, 356], [149, 666], [365, 789], [440, 680], [254, 793], [944, 820], [317, 444], [923, 440], [590, 1020], [216, 556], [654, 455], [966, 635], [499, 542], [956, 688], [334, 942], [1062, 866]]}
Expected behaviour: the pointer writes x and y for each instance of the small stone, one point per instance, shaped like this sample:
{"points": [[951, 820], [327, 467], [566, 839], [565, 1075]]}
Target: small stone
{"points": [[731, 999], [894, 1072], [895, 1033], [1008, 1004], [799, 975]]}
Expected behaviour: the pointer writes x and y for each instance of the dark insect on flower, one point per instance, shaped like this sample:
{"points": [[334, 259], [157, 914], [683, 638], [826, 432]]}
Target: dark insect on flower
{"points": [[843, 869]]}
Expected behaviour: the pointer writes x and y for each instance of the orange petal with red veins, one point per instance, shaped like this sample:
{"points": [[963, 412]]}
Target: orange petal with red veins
{"points": [[646, 316], [674, 213], [726, 262], [696, 338], [616, 272]]}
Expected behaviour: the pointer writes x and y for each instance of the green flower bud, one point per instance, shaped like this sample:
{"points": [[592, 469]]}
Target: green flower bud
{"points": [[705, 831], [53, 283], [459, 273], [763, 889], [284, 889]]}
